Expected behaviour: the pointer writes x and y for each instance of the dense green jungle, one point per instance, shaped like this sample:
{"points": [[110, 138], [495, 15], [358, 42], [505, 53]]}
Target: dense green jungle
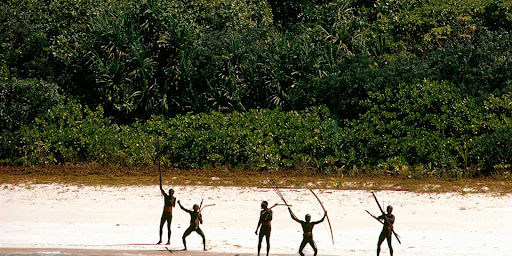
{"points": [[408, 88]]}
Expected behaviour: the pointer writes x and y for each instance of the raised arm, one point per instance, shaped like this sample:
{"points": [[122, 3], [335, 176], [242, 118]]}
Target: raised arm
{"points": [[322, 219], [183, 208], [293, 215]]}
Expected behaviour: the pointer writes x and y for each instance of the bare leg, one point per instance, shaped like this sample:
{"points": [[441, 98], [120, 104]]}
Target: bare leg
{"points": [[268, 242], [381, 239], [162, 222], [169, 220], [389, 245], [302, 245], [200, 232], [187, 232], [169, 231], [313, 245], [260, 238]]}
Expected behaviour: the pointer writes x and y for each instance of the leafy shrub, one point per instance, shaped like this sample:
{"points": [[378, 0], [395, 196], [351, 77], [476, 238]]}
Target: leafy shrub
{"points": [[21, 101], [352, 79], [73, 134], [418, 123], [261, 139], [33, 34], [228, 14], [288, 13], [493, 149], [480, 65], [255, 139], [422, 26]]}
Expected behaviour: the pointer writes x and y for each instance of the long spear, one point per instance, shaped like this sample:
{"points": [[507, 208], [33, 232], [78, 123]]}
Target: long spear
{"points": [[379, 220], [158, 156], [160, 171], [386, 218]]}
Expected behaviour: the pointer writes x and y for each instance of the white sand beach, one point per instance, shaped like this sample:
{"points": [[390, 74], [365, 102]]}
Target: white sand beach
{"points": [[58, 218]]}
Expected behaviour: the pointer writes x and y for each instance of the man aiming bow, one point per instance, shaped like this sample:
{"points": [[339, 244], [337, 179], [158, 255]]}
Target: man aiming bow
{"points": [[195, 219], [307, 227]]}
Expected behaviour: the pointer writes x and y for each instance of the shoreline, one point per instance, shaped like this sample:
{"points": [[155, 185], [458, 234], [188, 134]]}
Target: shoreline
{"points": [[90, 252], [120, 177]]}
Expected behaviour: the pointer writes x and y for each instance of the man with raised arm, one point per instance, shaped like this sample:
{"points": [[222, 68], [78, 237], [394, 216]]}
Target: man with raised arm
{"points": [[387, 229], [195, 219], [307, 227], [264, 221], [169, 203]]}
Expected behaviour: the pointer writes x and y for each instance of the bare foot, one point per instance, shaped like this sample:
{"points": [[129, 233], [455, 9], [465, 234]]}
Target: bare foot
{"points": [[159, 242], [168, 243]]}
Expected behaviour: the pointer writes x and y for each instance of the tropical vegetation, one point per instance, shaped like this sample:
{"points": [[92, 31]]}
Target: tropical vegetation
{"points": [[416, 88]]}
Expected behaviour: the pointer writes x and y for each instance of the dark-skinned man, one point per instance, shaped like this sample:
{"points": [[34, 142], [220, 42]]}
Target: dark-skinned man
{"points": [[264, 222], [169, 203], [307, 227], [195, 219], [387, 229]]}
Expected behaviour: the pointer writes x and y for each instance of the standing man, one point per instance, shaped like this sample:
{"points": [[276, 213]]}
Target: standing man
{"points": [[195, 219], [265, 219], [387, 230], [307, 227], [169, 203]]}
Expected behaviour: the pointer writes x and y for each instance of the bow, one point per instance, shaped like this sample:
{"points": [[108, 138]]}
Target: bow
{"points": [[204, 206], [207, 206], [327, 216]]}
